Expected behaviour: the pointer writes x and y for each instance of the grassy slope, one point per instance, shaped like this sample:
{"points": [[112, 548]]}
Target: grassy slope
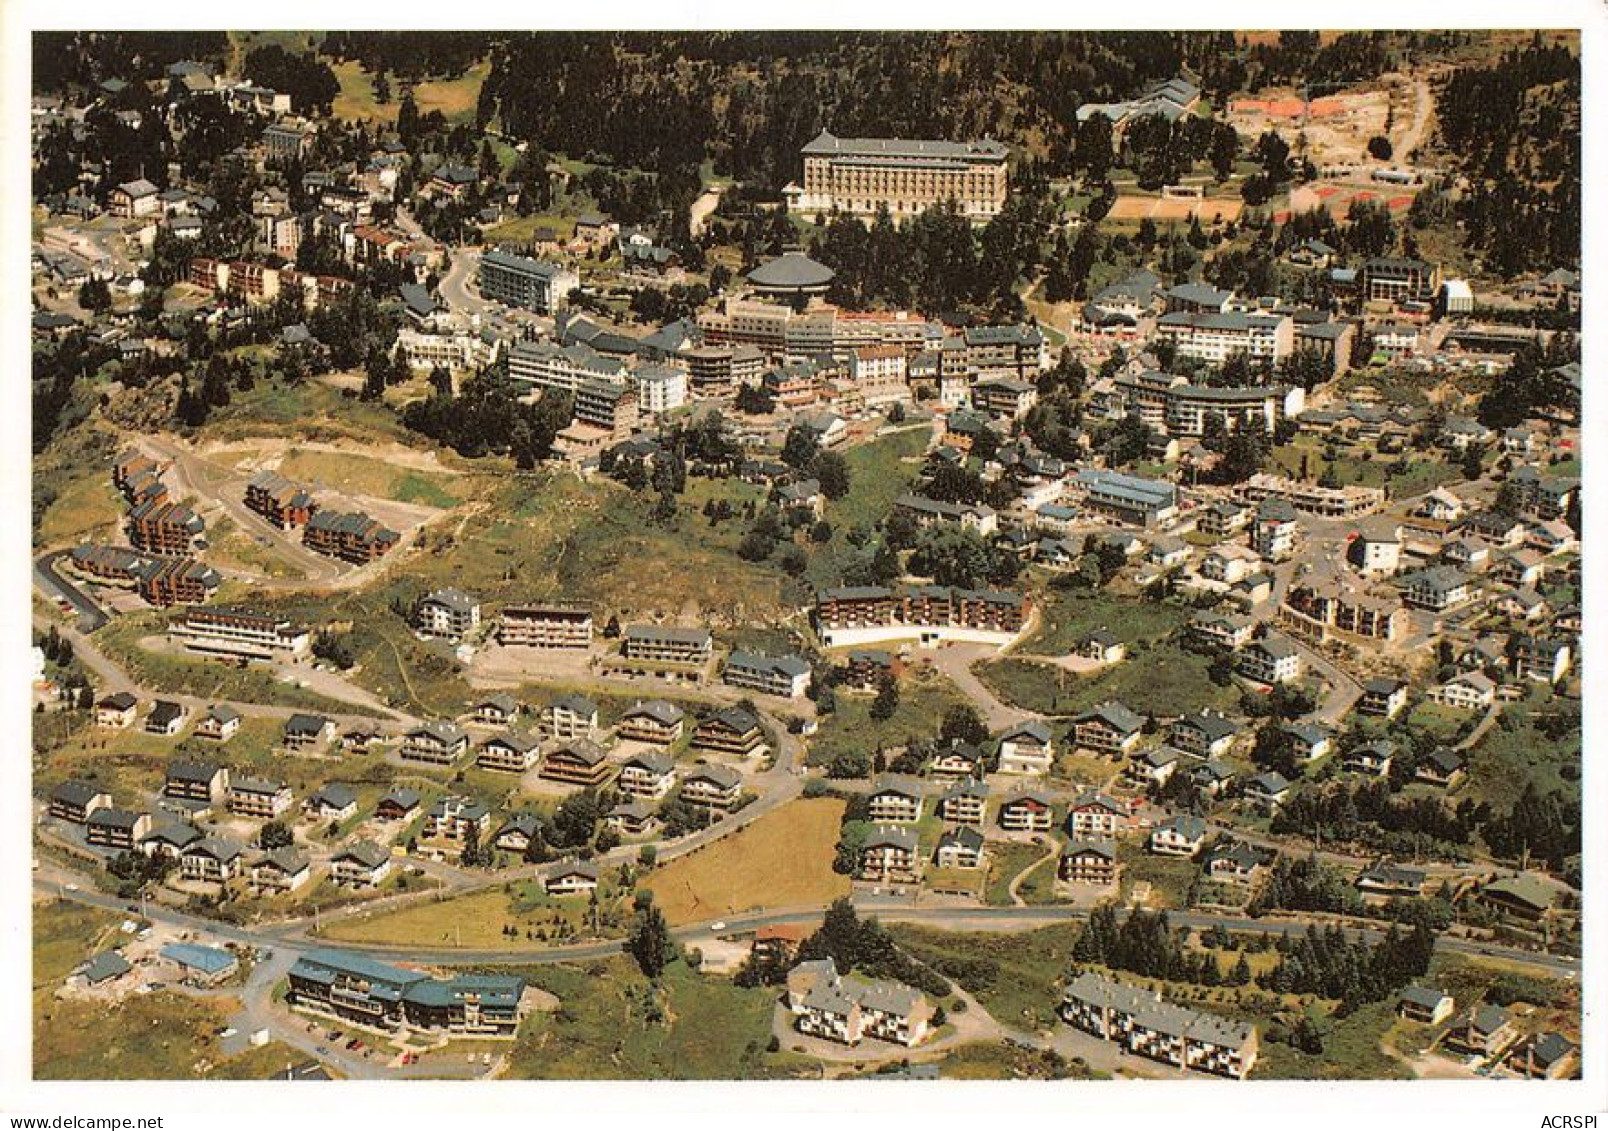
{"points": [[782, 859]]}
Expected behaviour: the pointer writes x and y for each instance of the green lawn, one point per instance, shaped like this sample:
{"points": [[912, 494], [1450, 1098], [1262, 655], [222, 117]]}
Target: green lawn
{"points": [[1069, 615], [1514, 755], [1015, 976], [982, 1061], [924, 697], [1350, 1051], [1169, 877], [1164, 680], [207, 679], [879, 472], [613, 1024], [1005, 862]]}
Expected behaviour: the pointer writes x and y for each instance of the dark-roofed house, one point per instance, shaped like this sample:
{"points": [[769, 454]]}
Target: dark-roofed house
{"points": [[116, 710], [508, 753], [332, 801], [1545, 1056], [960, 848], [578, 762], [1027, 748], [655, 722], [1382, 698], [1110, 728], [1206, 735], [517, 832], [572, 877], [1385, 879], [303, 732], [106, 966], [1524, 897], [733, 730], [1443, 767], [440, 743], [1424, 1005], [75, 800], [457, 819], [571, 716], [1096, 814], [1092, 861], [398, 805], [259, 798], [648, 775], [1027, 811], [1267, 791], [964, 803], [1178, 836], [361, 865], [211, 860], [895, 798], [110, 827], [220, 723], [166, 718], [1487, 1030], [890, 854], [281, 870], [712, 786]]}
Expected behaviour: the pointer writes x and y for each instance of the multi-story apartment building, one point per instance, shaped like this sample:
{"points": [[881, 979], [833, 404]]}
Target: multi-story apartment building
{"points": [[449, 613], [1146, 1025], [1394, 280], [655, 722], [861, 175], [868, 614], [660, 389], [772, 675], [1126, 498], [1214, 337], [354, 988], [258, 797], [281, 502], [519, 281], [237, 632], [545, 626], [352, 537], [666, 644], [436, 742], [161, 527], [1329, 502]]}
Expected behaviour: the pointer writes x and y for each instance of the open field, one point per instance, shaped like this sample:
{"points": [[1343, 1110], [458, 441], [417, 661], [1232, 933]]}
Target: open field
{"points": [[615, 1025], [203, 678], [455, 98], [1163, 680], [1006, 861], [1351, 1051], [983, 1061], [481, 919], [1067, 615], [1015, 976], [782, 859], [150, 1037], [924, 697]]}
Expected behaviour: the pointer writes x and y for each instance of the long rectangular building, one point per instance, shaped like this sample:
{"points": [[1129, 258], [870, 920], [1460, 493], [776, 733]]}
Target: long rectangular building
{"points": [[545, 626], [358, 989], [1146, 1025], [228, 631], [870, 614], [355, 537], [520, 281], [1127, 498], [861, 175]]}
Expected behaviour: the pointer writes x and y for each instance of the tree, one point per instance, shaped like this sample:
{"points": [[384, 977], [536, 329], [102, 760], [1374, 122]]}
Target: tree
{"points": [[832, 471], [1379, 148], [650, 943], [275, 834], [800, 448], [887, 700], [962, 723]]}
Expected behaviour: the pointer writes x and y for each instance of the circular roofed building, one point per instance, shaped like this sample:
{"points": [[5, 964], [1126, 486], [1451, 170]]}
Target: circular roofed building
{"points": [[791, 275]]}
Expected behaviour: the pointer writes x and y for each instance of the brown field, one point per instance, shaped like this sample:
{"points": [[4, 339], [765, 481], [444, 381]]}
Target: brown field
{"points": [[1135, 208], [782, 859]]}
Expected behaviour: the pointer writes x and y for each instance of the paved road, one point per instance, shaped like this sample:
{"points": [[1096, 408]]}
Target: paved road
{"points": [[213, 482], [91, 617]]}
